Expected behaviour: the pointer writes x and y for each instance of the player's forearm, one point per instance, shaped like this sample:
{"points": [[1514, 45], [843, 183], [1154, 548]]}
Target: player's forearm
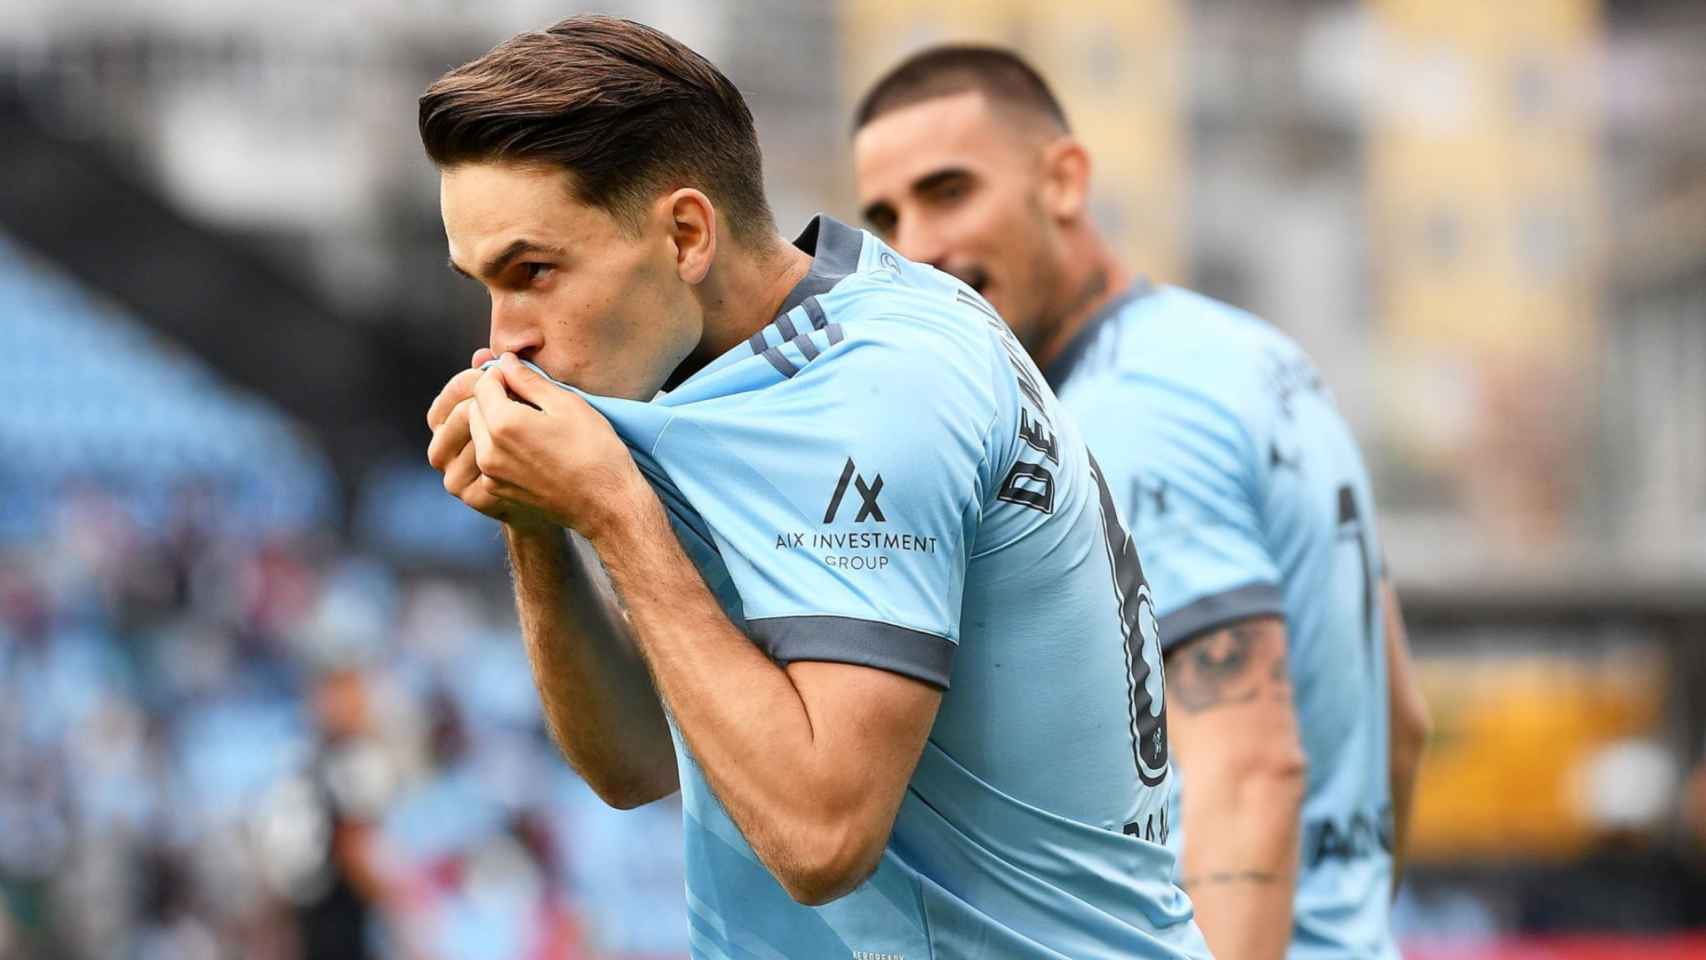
{"points": [[1234, 728], [1241, 850], [1403, 784], [1408, 741], [743, 719], [597, 697]]}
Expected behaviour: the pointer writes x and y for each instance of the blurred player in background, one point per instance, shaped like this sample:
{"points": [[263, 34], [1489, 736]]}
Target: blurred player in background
{"points": [[1298, 727], [879, 621]]}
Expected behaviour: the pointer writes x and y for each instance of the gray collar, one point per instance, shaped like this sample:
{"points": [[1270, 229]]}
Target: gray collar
{"points": [[834, 247]]}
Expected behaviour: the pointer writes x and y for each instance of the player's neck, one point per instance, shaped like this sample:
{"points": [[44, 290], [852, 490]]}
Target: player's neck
{"points": [[1094, 278], [741, 295]]}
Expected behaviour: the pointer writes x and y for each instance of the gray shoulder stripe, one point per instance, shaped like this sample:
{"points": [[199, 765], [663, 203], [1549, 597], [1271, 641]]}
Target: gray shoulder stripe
{"points": [[814, 310], [806, 346], [1255, 599], [834, 331], [869, 643], [782, 364], [786, 326], [757, 342], [972, 300]]}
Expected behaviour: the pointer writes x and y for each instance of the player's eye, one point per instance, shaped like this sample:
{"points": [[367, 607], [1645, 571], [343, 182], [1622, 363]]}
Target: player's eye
{"points": [[882, 221], [535, 271], [950, 190]]}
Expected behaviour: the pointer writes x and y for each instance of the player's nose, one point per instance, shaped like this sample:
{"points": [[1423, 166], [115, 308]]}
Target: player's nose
{"points": [[512, 331], [917, 242]]}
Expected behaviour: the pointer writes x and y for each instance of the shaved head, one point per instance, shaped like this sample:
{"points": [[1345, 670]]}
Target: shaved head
{"points": [[1006, 81], [963, 160]]}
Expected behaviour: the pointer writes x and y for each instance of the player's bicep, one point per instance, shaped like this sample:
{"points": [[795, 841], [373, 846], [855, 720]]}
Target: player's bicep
{"points": [[871, 723], [1229, 698]]}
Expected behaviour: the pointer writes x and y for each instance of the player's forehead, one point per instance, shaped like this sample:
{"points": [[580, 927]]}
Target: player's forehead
{"points": [[487, 205], [908, 143]]}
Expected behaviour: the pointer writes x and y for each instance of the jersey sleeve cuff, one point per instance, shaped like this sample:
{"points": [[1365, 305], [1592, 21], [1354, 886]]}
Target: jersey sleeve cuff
{"points": [[1219, 609], [867, 643]]}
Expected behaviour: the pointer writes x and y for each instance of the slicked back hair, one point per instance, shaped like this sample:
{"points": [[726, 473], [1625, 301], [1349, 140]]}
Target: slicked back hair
{"points": [[629, 111], [999, 74]]}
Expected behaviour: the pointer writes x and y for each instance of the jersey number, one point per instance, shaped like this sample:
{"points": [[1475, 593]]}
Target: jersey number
{"points": [[1146, 681], [1351, 526]]}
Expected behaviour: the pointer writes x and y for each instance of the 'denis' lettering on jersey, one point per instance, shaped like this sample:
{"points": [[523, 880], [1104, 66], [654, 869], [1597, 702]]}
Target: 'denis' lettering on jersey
{"points": [[1028, 483]]}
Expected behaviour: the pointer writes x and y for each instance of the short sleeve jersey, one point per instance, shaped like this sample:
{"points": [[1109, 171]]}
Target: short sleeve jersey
{"points": [[1245, 489], [881, 477]]}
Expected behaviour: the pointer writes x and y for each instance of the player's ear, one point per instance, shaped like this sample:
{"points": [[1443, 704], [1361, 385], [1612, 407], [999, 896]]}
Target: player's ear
{"points": [[1066, 178], [693, 232]]}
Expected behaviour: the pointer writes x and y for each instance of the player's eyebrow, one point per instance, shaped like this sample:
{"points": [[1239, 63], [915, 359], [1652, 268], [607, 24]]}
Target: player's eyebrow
{"points": [[931, 181], [922, 185], [516, 248]]}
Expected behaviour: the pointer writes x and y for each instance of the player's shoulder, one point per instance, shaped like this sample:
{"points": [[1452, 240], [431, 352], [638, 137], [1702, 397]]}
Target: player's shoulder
{"points": [[1178, 334], [897, 302], [1169, 342], [905, 321]]}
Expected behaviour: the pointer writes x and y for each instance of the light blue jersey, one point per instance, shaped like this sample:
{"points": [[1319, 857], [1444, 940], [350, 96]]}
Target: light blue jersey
{"points": [[881, 477], [1244, 486]]}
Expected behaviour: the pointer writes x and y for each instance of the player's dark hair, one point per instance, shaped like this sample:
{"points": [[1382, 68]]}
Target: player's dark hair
{"points": [[629, 111], [997, 73]]}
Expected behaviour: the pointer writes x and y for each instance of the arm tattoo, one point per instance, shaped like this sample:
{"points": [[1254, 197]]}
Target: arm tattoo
{"points": [[1226, 668], [1258, 877]]}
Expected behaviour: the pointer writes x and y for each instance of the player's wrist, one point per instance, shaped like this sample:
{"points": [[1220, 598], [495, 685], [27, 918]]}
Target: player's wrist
{"points": [[626, 512], [532, 531]]}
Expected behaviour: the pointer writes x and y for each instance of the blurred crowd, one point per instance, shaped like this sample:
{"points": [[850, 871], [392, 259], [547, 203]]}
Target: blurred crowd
{"points": [[220, 742]]}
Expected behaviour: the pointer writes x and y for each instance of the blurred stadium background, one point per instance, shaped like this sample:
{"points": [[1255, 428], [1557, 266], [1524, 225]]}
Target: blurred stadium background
{"points": [[260, 691]]}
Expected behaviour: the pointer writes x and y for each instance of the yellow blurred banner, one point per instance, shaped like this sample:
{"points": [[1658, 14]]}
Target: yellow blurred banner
{"points": [[1527, 753], [1116, 66]]}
